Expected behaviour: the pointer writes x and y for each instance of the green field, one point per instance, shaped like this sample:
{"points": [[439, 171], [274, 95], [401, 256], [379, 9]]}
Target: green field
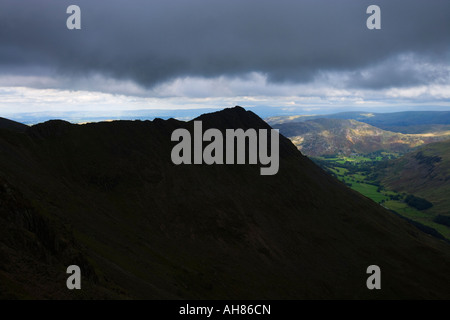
{"points": [[403, 209], [370, 191], [357, 172]]}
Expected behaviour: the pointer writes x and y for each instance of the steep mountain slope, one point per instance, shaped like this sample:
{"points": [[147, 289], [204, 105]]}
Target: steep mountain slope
{"points": [[35, 252], [12, 125], [149, 229], [339, 136], [424, 172]]}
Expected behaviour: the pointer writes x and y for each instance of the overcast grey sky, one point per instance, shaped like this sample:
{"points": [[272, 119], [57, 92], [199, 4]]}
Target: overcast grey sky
{"points": [[137, 54]]}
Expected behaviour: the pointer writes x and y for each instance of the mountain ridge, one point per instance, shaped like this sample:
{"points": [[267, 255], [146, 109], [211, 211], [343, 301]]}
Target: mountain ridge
{"points": [[12, 125], [154, 230]]}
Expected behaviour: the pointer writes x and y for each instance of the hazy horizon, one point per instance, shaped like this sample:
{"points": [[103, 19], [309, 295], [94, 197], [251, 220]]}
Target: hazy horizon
{"points": [[189, 114]]}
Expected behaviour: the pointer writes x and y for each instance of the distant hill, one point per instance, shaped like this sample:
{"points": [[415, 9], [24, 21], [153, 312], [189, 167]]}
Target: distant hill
{"points": [[424, 172], [403, 122], [338, 136], [106, 196]]}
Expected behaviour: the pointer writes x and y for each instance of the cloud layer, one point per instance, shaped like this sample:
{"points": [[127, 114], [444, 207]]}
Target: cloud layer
{"points": [[151, 48]]}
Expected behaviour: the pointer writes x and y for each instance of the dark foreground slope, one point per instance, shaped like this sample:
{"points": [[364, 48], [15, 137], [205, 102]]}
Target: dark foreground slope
{"points": [[12, 125], [140, 227]]}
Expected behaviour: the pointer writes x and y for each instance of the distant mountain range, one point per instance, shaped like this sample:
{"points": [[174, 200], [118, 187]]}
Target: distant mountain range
{"points": [[329, 136], [106, 196], [416, 185], [402, 122]]}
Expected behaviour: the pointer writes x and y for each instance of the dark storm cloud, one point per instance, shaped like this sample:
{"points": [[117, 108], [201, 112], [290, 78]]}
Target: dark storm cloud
{"points": [[151, 41], [403, 70]]}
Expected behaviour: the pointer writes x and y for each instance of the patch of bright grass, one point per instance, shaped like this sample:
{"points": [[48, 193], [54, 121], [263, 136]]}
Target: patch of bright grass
{"points": [[416, 215]]}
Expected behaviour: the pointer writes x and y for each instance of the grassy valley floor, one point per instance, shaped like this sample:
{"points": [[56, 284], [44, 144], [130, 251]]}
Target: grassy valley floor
{"points": [[359, 172]]}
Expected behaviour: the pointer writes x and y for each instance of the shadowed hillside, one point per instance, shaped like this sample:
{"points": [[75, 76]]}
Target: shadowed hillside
{"points": [[12, 125], [424, 172], [109, 199]]}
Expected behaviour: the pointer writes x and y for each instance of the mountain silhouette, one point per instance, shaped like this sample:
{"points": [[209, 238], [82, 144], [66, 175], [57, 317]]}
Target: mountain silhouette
{"points": [[12, 125], [107, 197]]}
